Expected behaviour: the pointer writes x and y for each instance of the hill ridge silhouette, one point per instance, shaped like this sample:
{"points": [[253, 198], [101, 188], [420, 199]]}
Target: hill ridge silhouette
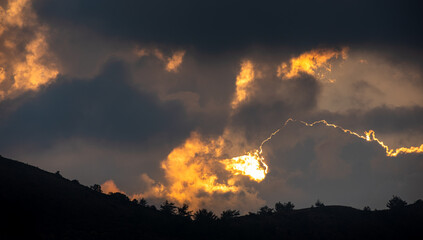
{"points": [[41, 205]]}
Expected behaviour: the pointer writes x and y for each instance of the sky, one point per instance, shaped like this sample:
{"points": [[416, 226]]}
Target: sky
{"points": [[216, 103]]}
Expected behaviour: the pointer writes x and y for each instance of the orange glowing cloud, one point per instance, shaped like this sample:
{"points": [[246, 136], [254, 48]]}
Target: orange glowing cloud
{"points": [[109, 186], [243, 81], [31, 73], [310, 62], [22, 71], [250, 164], [195, 174], [190, 170], [154, 189], [172, 63], [13, 15], [370, 136], [2, 75], [158, 54]]}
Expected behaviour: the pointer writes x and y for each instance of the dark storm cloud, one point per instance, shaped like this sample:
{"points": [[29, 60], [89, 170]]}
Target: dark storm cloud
{"points": [[217, 25], [274, 102], [104, 108], [387, 119], [204, 86]]}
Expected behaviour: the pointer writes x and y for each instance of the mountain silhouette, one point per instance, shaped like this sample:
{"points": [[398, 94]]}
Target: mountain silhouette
{"points": [[37, 204]]}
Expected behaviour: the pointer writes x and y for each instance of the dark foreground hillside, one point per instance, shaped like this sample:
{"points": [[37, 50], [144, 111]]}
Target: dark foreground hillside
{"points": [[36, 204]]}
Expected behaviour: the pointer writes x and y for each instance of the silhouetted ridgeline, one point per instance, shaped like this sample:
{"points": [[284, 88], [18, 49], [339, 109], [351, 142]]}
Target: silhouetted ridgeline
{"points": [[40, 205]]}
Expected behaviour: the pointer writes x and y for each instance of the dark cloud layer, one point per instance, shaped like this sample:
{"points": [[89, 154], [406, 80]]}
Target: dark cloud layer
{"points": [[105, 108], [218, 25]]}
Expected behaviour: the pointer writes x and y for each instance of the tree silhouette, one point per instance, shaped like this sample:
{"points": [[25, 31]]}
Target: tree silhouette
{"points": [[75, 181], [183, 211], [229, 214], [143, 202], [366, 209], [168, 208], [284, 207], [396, 203], [319, 203], [204, 216], [265, 211], [96, 188], [152, 207], [119, 197], [251, 214]]}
